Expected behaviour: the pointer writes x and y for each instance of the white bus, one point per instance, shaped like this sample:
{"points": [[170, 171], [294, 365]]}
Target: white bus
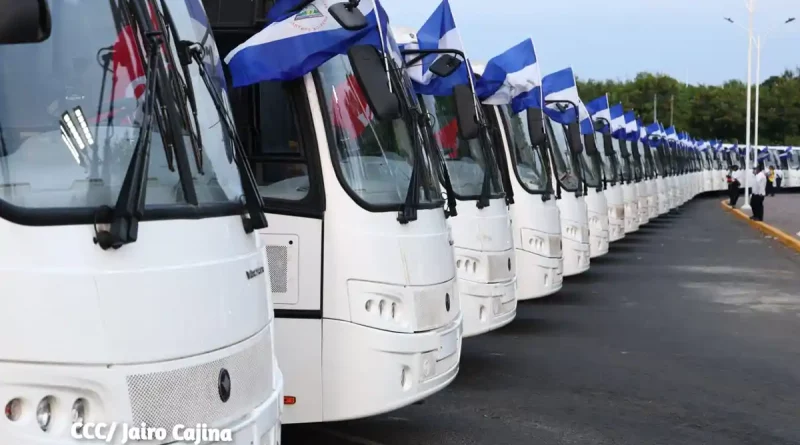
{"points": [[789, 163], [630, 195], [643, 183], [482, 234], [133, 281], [368, 314], [660, 178], [596, 202], [792, 173], [535, 216], [565, 150], [613, 183]]}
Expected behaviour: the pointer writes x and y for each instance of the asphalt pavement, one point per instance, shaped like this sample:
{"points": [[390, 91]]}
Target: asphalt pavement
{"points": [[687, 332], [783, 211]]}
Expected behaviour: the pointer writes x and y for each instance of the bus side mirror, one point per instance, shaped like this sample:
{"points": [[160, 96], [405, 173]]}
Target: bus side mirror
{"points": [[370, 72], [347, 15], [608, 144], [536, 127], [599, 125], [24, 21], [466, 113], [623, 148], [445, 65], [574, 137], [590, 143]]}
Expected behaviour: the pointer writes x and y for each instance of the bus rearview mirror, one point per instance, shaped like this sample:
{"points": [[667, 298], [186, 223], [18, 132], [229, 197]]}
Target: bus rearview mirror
{"points": [[623, 148], [370, 72], [608, 144], [536, 127], [466, 112], [445, 65], [348, 16], [590, 143], [574, 137], [24, 21]]}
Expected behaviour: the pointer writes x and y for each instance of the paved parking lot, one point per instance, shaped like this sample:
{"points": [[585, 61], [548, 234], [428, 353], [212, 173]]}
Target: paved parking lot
{"points": [[688, 332]]}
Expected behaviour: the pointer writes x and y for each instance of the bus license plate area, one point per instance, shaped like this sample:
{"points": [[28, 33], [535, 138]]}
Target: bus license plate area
{"points": [[448, 345]]}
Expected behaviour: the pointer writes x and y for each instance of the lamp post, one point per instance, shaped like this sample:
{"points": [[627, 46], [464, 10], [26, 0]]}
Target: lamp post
{"points": [[758, 81], [750, 40]]}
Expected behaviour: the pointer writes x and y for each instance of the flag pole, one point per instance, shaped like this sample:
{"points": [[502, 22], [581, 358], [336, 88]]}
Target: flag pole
{"points": [[383, 43]]}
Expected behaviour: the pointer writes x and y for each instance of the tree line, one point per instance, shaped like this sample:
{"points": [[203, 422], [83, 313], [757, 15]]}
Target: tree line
{"points": [[709, 111]]}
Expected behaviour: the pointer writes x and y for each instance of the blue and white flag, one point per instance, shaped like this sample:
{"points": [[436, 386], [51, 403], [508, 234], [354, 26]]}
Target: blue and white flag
{"points": [[671, 135], [785, 152], [631, 126], [642, 130], [438, 32], [298, 43], [653, 130], [512, 77], [561, 88], [599, 108], [618, 121]]}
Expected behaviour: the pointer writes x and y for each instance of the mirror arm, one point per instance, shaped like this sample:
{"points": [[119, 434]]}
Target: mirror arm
{"points": [[421, 53], [562, 102]]}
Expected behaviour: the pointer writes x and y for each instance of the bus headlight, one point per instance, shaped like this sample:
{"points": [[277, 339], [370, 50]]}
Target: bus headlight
{"points": [[43, 412], [79, 411]]}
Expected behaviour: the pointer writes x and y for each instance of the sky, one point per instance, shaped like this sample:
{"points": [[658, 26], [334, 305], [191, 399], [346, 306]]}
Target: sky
{"points": [[616, 39]]}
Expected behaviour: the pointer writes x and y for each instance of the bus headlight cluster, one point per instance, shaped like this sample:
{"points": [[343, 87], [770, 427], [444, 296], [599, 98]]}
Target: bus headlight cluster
{"points": [[45, 409], [384, 308], [536, 244], [469, 265]]}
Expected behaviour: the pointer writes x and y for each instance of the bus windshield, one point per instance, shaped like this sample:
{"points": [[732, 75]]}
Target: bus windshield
{"points": [[70, 114], [375, 158], [610, 162], [527, 159], [467, 162], [566, 173]]}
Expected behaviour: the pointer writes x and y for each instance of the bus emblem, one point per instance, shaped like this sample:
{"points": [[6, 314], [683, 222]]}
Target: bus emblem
{"points": [[224, 385]]}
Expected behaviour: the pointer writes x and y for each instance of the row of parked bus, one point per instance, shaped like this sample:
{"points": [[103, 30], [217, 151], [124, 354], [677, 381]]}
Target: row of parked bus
{"points": [[716, 163], [304, 233]]}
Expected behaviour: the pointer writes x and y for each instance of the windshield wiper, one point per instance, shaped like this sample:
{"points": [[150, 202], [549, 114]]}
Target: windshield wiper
{"points": [[185, 86], [442, 170], [129, 208], [408, 212], [252, 198]]}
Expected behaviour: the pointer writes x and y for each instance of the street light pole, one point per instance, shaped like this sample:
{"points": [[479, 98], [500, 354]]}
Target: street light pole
{"points": [[751, 40], [758, 89], [750, 9]]}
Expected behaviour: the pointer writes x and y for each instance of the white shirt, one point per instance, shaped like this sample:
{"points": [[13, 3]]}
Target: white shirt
{"points": [[760, 186], [778, 173], [737, 175]]}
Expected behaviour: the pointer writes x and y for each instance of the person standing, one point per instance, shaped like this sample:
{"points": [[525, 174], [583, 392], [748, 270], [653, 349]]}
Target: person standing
{"points": [[759, 191], [778, 179], [734, 182]]}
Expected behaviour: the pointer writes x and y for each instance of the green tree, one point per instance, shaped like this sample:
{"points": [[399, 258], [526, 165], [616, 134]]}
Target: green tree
{"points": [[709, 111]]}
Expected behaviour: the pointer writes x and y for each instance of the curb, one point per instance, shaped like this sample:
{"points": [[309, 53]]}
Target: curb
{"points": [[786, 239]]}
